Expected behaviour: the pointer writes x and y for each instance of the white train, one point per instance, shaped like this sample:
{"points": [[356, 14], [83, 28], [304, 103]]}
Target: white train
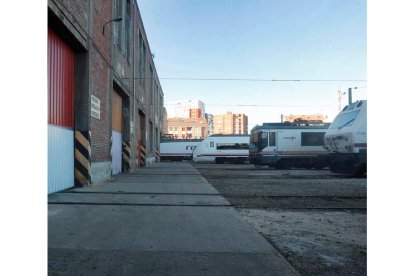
{"points": [[346, 140], [287, 145], [220, 148], [177, 149]]}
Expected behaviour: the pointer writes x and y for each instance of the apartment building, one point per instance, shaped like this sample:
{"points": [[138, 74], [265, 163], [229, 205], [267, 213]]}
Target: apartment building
{"points": [[230, 123]]}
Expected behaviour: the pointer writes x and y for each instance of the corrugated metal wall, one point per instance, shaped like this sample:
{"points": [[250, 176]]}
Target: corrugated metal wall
{"points": [[116, 112], [60, 159], [116, 152], [116, 133], [61, 83]]}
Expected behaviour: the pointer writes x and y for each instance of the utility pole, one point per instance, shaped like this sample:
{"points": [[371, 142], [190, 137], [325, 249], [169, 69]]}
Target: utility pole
{"points": [[281, 118], [350, 94], [340, 99]]}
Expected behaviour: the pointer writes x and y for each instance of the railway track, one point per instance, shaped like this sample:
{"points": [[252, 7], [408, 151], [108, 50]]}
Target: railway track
{"points": [[248, 187]]}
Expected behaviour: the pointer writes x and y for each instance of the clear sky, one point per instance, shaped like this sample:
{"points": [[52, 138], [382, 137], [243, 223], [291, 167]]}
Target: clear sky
{"points": [[259, 39]]}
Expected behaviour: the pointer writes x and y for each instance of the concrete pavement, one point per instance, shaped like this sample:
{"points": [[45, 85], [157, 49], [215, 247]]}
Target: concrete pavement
{"points": [[163, 220]]}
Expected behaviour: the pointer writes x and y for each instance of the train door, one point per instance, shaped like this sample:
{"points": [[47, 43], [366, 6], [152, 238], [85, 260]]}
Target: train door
{"points": [[272, 141], [263, 140], [116, 133], [61, 91]]}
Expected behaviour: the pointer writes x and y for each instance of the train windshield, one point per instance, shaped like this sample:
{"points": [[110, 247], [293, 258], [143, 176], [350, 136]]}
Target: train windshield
{"points": [[254, 139], [345, 119]]}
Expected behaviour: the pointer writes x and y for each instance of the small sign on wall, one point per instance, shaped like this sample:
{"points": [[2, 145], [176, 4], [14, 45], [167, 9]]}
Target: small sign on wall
{"points": [[95, 107]]}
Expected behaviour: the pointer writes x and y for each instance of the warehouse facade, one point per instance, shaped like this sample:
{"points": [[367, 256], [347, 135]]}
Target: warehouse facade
{"points": [[105, 101]]}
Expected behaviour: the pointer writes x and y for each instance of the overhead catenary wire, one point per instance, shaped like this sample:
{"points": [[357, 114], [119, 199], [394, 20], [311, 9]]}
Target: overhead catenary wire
{"points": [[261, 105], [258, 80]]}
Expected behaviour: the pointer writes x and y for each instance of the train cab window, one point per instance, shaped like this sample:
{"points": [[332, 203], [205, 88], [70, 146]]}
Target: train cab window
{"points": [[272, 139], [312, 138], [254, 138], [211, 144]]}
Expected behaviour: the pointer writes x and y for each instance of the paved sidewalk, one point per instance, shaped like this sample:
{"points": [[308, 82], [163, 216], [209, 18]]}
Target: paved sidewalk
{"points": [[163, 220]]}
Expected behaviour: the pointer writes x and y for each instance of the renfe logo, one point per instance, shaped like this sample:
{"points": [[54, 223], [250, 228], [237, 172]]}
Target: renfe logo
{"points": [[190, 147], [289, 138]]}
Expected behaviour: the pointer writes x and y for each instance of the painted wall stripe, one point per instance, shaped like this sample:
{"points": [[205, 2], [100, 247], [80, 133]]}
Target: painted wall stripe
{"points": [[82, 158], [83, 141], [126, 156], [142, 155]]}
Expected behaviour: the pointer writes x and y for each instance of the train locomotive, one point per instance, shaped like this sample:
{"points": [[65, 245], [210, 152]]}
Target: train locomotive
{"points": [[346, 140], [285, 145]]}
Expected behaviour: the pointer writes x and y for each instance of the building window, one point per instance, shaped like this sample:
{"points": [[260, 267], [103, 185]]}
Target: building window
{"points": [[142, 59], [127, 21], [117, 27], [151, 87]]}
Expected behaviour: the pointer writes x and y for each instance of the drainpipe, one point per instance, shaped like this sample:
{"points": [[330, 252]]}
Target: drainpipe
{"points": [[133, 157]]}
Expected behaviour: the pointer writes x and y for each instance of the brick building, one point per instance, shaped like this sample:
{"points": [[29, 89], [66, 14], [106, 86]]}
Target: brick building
{"points": [[186, 119], [314, 117], [230, 124], [186, 109], [105, 101], [210, 126], [187, 128]]}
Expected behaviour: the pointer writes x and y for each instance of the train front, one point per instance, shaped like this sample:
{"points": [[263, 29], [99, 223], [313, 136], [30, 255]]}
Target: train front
{"points": [[346, 139]]}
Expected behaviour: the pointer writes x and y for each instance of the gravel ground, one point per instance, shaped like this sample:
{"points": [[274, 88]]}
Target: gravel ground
{"points": [[316, 219], [315, 242]]}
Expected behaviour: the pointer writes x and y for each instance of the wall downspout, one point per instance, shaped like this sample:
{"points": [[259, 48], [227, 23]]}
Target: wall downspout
{"points": [[133, 157]]}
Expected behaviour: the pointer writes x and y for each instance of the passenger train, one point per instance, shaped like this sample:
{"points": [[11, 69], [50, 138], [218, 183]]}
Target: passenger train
{"points": [[220, 148], [177, 149], [286, 145], [346, 140]]}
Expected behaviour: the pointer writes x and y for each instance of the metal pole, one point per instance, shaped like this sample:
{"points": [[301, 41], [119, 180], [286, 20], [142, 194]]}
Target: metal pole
{"points": [[281, 118], [349, 95]]}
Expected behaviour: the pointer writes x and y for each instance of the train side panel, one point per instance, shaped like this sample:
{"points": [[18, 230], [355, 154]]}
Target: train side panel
{"points": [[177, 150], [219, 149], [289, 145]]}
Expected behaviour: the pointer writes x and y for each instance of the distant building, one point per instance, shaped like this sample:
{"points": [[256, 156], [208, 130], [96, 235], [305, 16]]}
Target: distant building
{"points": [[230, 123], [210, 123], [187, 128], [186, 109], [164, 121], [292, 118]]}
